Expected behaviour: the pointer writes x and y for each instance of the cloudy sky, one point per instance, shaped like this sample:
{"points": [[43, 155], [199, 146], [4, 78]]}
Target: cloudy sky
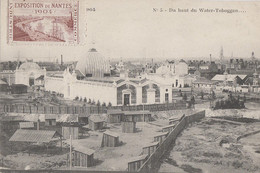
{"points": [[131, 29]]}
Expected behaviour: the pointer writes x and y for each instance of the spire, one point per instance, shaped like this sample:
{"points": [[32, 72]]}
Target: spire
{"points": [[221, 56]]}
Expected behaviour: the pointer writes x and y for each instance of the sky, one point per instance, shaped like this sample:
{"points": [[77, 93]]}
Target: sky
{"points": [[131, 29]]}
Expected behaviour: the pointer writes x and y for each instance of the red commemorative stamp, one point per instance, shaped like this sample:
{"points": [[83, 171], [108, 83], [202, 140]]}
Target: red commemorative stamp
{"points": [[43, 21]]}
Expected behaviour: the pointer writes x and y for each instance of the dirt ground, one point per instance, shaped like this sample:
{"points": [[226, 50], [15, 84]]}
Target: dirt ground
{"points": [[212, 146], [198, 149]]}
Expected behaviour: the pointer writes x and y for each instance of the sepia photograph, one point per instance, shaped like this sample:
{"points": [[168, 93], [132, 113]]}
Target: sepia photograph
{"points": [[169, 86]]}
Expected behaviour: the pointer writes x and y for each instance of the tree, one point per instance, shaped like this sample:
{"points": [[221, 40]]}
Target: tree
{"points": [[98, 103], [184, 97]]}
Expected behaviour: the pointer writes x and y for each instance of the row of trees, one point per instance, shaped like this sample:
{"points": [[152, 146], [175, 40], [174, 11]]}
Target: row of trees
{"points": [[92, 102], [230, 103]]}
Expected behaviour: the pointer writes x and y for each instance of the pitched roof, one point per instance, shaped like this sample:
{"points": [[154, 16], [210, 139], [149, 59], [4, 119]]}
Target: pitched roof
{"points": [[40, 78], [2, 82], [11, 118], [136, 112], [230, 77], [84, 150], [202, 80], [111, 134], [96, 118], [22, 135]]}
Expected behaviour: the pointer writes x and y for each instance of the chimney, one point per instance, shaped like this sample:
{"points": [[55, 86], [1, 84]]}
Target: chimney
{"points": [[61, 60]]}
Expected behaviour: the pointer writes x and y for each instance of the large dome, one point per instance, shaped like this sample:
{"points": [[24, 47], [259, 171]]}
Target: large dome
{"points": [[93, 65], [29, 66]]}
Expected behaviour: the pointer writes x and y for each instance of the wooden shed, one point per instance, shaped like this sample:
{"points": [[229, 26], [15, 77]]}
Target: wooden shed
{"points": [[168, 128], [70, 130], [114, 115], [137, 116], [96, 122], [150, 148], [50, 120], [135, 163], [10, 122], [129, 127], [110, 139], [81, 157], [159, 138]]}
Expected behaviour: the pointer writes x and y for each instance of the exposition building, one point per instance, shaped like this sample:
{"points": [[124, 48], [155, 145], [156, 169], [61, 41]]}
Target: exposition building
{"points": [[91, 80]]}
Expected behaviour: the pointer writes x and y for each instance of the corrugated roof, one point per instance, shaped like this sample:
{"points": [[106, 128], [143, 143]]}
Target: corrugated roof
{"points": [[26, 125], [22, 135], [111, 134]]}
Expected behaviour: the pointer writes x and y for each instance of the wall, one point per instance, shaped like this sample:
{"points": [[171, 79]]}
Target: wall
{"points": [[54, 84], [94, 91], [152, 162]]}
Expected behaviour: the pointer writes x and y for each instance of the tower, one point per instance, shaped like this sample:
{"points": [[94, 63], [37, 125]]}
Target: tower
{"points": [[255, 78], [221, 56], [253, 56]]}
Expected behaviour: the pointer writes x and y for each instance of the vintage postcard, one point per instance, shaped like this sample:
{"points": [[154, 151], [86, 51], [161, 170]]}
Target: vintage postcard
{"points": [[130, 86], [43, 21]]}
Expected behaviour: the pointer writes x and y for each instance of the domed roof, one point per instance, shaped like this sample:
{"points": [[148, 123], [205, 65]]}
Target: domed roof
{"points": [[93, 64], [29, 66]]}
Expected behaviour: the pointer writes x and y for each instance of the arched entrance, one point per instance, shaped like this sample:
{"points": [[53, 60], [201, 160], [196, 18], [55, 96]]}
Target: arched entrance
{"points": [[126, 97]]}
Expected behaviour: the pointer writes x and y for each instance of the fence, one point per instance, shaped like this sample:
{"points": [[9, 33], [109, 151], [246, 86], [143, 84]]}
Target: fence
{"points": [[85, 110], [152, 162]]}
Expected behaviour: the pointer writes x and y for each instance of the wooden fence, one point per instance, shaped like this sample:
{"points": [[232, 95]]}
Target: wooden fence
{"points": [[86, 110], [153, 161]]}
